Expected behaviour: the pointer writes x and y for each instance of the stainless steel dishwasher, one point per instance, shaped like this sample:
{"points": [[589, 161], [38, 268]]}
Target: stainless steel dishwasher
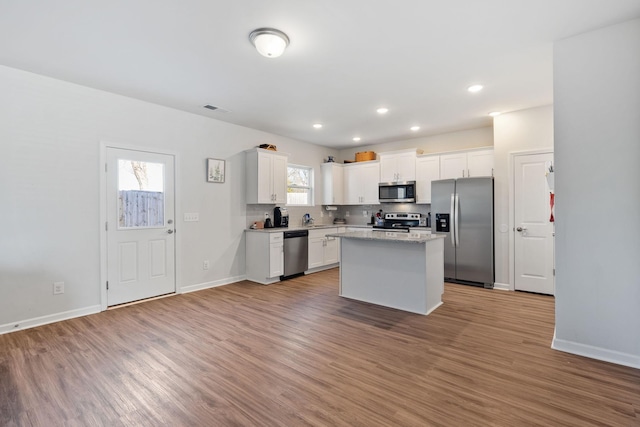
{"points": [[296, 252]]}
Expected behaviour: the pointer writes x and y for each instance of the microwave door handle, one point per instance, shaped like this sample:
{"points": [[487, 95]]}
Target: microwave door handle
{"points": [[452, 226]]}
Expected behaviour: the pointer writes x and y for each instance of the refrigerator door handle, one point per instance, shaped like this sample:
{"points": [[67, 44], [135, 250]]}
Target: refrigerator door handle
{"points": [[453, 225], [456, 224]]}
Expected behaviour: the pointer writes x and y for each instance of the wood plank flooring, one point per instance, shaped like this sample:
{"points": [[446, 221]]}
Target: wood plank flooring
{"points": [[296, 354]]}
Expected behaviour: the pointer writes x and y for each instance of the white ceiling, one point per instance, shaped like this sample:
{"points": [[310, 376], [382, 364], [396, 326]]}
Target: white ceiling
{"points": [[345, 59]]}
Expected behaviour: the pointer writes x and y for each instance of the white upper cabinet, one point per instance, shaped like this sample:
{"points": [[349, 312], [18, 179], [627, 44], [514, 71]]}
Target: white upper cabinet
{"points": [[332, 184], [480, 163], [453, 165], [427, 170], [361, 183], [398, 166], [466, 164], [266, 177]]}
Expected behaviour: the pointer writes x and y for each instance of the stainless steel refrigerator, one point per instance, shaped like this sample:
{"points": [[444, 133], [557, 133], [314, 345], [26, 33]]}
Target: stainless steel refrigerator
{"points": [[463, 210]]}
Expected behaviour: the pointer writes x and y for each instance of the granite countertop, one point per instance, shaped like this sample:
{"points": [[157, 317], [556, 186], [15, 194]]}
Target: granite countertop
{"points": [[281, 229], [325, 226], [389, 236]]}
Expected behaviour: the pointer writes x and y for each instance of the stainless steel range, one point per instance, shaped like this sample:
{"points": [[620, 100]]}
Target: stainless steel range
{"points": [[399, 221]]}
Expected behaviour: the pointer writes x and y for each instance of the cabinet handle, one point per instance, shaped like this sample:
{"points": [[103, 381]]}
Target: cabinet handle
{"points": [[463, 173]]}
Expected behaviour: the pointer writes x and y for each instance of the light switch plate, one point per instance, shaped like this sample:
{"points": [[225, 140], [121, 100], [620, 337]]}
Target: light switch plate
{"points": [[191, 217]]}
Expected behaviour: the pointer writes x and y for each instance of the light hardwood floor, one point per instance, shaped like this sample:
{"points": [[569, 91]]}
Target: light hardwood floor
{"points": [[296, 354]]}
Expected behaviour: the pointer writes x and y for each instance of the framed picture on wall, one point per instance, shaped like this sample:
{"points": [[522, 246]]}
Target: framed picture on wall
{"points": [[215, 170]]}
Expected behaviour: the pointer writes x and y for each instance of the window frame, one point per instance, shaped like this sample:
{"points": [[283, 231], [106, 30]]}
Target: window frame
{"points": [[310, 188]]}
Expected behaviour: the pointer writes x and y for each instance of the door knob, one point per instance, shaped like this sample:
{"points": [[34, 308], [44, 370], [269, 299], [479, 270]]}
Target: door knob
{"points": [[521, 228], [170, 231]]}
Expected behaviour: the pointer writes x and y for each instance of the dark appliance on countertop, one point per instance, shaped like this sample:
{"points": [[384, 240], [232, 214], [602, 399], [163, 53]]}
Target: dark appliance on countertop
{"points": [[463, 210], [397, 192], [401, 221], [280, 217], [296, 253]]}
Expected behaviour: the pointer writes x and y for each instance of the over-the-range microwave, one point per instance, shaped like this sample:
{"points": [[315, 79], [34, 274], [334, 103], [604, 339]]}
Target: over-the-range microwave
{"points": [[397, 192]]}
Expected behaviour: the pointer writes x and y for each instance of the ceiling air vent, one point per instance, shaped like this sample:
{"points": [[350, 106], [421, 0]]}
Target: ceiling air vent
{"points": [[214, 108]]}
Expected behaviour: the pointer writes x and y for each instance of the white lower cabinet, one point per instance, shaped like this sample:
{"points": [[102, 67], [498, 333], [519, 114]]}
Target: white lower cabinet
{"points": [[323, 250], [264, 256]]}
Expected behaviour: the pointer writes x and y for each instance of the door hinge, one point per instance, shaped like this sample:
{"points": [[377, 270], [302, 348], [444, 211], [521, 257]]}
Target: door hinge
{"points": [[107, 285], [106, 226], [554, 271]]}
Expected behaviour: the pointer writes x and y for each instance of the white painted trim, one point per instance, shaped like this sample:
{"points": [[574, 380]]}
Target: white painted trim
{"points": [[50, 318], [503, 286], [322, 268], [104, 144], [213, 284], [598, 353], [512, 201]]}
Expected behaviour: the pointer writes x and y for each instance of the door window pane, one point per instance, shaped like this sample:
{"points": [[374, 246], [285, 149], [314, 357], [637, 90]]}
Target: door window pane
{"points": [[140, 194]]}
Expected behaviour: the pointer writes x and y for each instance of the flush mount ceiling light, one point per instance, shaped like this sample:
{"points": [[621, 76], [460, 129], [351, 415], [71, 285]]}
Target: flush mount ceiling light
{"points": [[269, 42], [382, 110], [415, 128], [475, 88], [317, 126], [356, 139], [495, 113]]}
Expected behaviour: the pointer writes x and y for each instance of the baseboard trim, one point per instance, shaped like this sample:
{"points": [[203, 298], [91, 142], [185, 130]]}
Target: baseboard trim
{"points": [[324, 267], [502, 286], [598, 353], [213, 284], [45, 320]]}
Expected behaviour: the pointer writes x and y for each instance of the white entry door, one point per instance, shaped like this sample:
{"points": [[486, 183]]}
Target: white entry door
{"points": [[140, 225], [533, 238]]}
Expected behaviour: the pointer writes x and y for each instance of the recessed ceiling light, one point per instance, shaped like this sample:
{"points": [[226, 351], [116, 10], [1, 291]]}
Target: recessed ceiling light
{"points": [[318, 125], [415, 128], [356, 138], [475, 88], [495, 113], [382, 110]]}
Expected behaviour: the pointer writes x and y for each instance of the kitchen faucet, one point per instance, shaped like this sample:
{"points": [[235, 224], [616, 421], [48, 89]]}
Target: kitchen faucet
{"points": [[307, 220]]}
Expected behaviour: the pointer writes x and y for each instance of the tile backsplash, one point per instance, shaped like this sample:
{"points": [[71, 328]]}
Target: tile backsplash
{"points": [[353, 214]]}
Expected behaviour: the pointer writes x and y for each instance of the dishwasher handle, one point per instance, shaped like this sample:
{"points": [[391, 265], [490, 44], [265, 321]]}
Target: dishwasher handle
{"points": [[296, 233]]}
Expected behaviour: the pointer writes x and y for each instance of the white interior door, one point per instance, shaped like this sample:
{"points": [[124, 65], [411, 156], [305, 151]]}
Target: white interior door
{"points": [[533, 239], [140, 225]]}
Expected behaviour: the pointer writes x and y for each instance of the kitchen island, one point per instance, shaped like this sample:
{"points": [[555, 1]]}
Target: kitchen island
{"points": [[393, 269]]}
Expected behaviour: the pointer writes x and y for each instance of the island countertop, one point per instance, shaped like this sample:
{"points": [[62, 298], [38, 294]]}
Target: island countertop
{"points": [[389, 236]]}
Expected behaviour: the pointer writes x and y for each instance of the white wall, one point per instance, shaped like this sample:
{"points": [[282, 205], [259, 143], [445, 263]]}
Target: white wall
{"points": [[597, 158], [461, 140], [519, 131], [50, 136]]}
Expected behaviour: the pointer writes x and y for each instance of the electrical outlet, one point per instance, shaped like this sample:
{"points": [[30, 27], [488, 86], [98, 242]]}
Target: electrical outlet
{"points": [[58, 288], [364, 213], [205, 264], [347, 214], [266, 215]]}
